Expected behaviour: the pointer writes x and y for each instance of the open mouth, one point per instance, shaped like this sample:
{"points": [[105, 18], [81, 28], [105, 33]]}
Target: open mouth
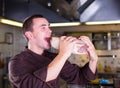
{"points": [[48, 39]]}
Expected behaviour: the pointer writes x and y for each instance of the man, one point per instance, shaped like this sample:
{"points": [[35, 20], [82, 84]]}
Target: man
{"points": [[37, 68]]}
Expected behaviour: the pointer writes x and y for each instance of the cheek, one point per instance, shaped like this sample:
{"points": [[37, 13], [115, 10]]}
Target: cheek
{"points": [[41, 37]]}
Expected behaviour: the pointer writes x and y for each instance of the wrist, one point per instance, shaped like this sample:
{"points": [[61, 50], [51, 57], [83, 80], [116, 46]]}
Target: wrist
{"points": [[64, 55]]}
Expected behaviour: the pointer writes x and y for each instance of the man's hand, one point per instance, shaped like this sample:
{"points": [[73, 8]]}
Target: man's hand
{"points": [[91, 52]]}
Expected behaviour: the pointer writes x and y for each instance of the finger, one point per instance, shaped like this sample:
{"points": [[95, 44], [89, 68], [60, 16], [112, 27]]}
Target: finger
{"points": [[71, 39], [86, 40], [63, 37]]}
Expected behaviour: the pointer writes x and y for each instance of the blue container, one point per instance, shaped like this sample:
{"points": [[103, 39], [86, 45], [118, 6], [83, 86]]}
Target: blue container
{"points": [[104, 81]]}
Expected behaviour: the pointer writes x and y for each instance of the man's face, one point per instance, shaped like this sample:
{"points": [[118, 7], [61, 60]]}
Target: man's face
{"points": [[41, 33]]}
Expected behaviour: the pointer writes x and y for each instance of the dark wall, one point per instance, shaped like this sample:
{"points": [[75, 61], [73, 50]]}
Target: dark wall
{"points": [[1, 7], [19, 9], [99, 10], [16, 10]]}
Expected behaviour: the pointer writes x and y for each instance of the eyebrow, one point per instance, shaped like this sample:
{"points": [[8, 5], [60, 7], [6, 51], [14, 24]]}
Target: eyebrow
{"points": [[45, 25]]}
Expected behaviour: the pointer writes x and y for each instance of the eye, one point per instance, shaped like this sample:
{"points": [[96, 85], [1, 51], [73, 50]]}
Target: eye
{"points": [[43, 27]]}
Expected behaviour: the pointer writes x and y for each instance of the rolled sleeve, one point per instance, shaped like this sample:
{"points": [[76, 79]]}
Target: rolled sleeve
{"points": [[41, 73], [88, 73]]}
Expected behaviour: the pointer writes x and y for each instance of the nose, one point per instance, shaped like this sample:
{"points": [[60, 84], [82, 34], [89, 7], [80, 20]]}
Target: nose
{"points": [[49, 29]]}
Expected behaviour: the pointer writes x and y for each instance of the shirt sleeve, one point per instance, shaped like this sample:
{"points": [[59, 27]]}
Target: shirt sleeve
{"points": [[41, 73], [88, 74], [21, 76], [73, 74]]}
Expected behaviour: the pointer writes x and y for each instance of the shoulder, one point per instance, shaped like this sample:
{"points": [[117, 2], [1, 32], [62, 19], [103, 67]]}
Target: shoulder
{"points": [[19, 59], [19, 56], [18, 64]]}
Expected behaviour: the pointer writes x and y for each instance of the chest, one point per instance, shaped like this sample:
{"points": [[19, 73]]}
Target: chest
{"points": [[34, 63]]}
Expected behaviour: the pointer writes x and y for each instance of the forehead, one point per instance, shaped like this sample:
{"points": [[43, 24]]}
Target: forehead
{"points": [[40, 21]]}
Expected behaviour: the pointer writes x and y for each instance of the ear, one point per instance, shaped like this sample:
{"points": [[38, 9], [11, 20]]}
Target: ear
{"points": [[28, 34]]}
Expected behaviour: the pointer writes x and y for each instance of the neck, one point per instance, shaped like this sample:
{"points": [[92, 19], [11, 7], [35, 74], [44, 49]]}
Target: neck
{"points": [[35, 49]]}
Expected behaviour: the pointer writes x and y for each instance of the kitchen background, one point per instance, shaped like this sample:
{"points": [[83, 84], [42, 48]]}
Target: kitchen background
{"points": [[106, 37]]}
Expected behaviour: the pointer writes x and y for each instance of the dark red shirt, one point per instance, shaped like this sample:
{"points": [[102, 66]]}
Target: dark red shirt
{"points": [[29, 70]]}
